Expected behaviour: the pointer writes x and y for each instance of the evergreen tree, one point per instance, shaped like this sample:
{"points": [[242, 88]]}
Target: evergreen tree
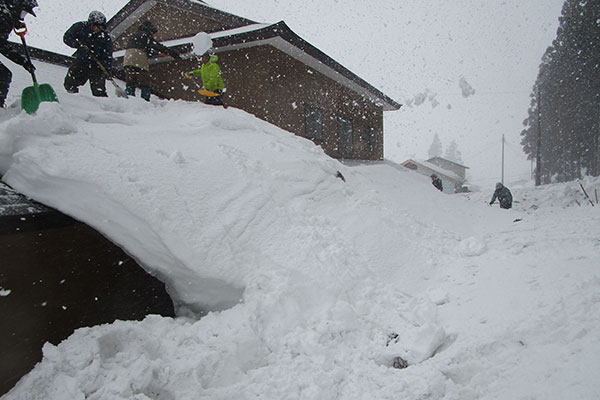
{"points": [[563, 126], [435, 150], [453, 154]]}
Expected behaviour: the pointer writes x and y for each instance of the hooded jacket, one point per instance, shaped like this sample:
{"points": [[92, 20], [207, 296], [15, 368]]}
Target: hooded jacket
{"points": [[504, 197], [142, 45], [80, 34], [7, 22], [210, 74]]}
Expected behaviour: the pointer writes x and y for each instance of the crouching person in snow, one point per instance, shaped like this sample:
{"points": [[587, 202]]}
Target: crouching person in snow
{"points": [[210, 72], [12, 13], [140, 46], [503, 195], [94, 46]]}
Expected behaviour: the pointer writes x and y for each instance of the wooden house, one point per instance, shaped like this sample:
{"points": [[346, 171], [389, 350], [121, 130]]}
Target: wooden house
{"points": [[268, 70]]}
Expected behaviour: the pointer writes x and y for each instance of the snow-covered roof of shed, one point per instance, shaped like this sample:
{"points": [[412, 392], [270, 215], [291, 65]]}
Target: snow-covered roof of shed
{"points": [[449, 161], [435, 168]]}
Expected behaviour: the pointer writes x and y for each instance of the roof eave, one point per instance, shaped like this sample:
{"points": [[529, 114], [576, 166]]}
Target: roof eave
{"points": [[279, 35], [295, 46]]}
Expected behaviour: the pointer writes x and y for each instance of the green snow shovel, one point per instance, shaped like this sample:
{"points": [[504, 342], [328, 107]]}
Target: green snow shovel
{"points": [[32, 96]]}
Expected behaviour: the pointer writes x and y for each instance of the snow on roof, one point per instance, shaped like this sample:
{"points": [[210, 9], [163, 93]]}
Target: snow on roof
{"points": [[450, 161], [213, 35], [436, 169]]}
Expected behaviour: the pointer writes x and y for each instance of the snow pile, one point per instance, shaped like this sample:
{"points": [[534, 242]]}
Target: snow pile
{"points": [[201, 43], [309, 287]]}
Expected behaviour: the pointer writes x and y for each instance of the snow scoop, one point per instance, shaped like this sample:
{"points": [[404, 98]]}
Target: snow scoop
{"points": [[208, 93], [119, 91], [205, 92], [201, 90], [32, 96]]}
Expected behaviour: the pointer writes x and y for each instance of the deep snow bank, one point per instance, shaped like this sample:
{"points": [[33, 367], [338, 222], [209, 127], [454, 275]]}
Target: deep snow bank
{"points": [[322, 283], [227, 209]]}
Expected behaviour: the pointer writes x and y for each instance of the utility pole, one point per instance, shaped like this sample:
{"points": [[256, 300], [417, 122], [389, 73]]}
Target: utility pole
{"points": [[502, 180], [538, 156]]}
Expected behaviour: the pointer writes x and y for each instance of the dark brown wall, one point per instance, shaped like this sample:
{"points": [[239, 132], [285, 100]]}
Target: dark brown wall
{"points": [[172, 23], [276, 88]]}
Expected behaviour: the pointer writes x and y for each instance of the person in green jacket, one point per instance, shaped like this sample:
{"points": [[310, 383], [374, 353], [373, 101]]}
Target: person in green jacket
{"points": [[210, 72]]}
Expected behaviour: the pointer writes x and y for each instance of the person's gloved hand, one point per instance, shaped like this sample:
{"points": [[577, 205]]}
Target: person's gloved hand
{"points": [[187, 75], [29, 66], [115, 70], [84, 51]]}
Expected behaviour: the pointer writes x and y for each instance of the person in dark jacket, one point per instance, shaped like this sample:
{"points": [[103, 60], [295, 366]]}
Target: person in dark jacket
{"points": [[437, 182], [93, 45], [140, 46], [12, 13], [503, 195]]}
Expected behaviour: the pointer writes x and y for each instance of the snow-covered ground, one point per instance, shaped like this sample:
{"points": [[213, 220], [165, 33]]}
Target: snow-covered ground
{"points": [[315, 288]]}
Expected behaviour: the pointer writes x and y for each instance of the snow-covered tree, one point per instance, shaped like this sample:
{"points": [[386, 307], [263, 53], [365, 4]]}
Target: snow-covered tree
{"points": [[435, 150]]}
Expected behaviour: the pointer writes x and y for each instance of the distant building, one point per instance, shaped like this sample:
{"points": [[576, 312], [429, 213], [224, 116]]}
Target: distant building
{"points": [[452, 181], [455, 167], [268, 70]]}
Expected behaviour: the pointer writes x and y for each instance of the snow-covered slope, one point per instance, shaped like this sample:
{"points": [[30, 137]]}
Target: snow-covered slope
{"points": [[317, 286]]}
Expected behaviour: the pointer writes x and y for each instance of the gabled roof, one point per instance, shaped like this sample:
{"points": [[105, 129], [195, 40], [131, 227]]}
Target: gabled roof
{"points": [[280, 36], [133, 10], [243, 33], [449, 161], [435, 168]]}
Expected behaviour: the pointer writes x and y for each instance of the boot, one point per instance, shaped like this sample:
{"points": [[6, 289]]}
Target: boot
{"points": [[146, 93], [130, 90]]}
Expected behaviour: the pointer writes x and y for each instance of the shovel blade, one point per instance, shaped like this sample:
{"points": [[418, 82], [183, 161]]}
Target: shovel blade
{"points": [[208, 93], [32, 96]]}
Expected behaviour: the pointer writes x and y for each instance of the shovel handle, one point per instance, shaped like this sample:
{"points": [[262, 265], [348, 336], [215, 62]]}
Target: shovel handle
{"points": [[95, 59], [21, 32]]}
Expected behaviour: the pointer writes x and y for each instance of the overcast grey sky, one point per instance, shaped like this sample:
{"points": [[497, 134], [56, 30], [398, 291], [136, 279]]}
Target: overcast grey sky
{"points": [[406, 48]]}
